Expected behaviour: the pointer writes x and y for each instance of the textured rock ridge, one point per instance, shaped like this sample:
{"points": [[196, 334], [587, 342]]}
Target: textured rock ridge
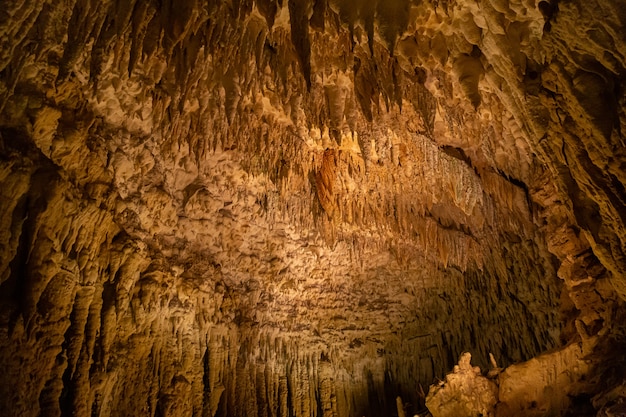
{"points": [[302, 208]]}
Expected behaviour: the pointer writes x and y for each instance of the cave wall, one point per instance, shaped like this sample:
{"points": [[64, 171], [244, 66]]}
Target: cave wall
{"points": [[302, 208]]}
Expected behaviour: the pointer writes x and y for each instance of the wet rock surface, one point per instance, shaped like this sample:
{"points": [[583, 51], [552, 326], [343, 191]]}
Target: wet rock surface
{"points": [[282, 208]]}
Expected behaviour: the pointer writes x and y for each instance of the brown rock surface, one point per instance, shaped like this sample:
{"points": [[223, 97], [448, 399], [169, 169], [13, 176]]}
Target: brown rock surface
{"points": [[309, 208], [465, 392]]}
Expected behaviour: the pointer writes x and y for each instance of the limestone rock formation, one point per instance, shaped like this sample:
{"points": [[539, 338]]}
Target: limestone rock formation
{"points": [[308, 207], [465, 392], [545, 385]]}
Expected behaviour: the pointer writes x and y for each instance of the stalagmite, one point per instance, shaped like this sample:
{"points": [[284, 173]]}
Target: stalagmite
{"points": [[400, 407]]}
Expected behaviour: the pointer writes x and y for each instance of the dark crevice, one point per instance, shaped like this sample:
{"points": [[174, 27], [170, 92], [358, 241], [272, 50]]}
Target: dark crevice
{"points": [[31, 205], [586, 211], [516, 182], [66, 399], [300, 37], [206, 384], [11, 288], [450, 224], [318, 18], [457, 153], [611, 187], [521, 185], [549, 10], [67, 394]]}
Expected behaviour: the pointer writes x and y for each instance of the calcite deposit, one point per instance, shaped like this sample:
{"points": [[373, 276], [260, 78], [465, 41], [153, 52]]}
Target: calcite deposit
{"points": [[465, 392], [311, 207]]}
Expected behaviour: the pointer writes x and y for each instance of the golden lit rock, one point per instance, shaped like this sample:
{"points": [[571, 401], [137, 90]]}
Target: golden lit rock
{"points": [[311, 208]]}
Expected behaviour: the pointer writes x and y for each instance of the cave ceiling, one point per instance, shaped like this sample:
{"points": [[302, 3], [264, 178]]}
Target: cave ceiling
{"points": [[306, 208]]}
